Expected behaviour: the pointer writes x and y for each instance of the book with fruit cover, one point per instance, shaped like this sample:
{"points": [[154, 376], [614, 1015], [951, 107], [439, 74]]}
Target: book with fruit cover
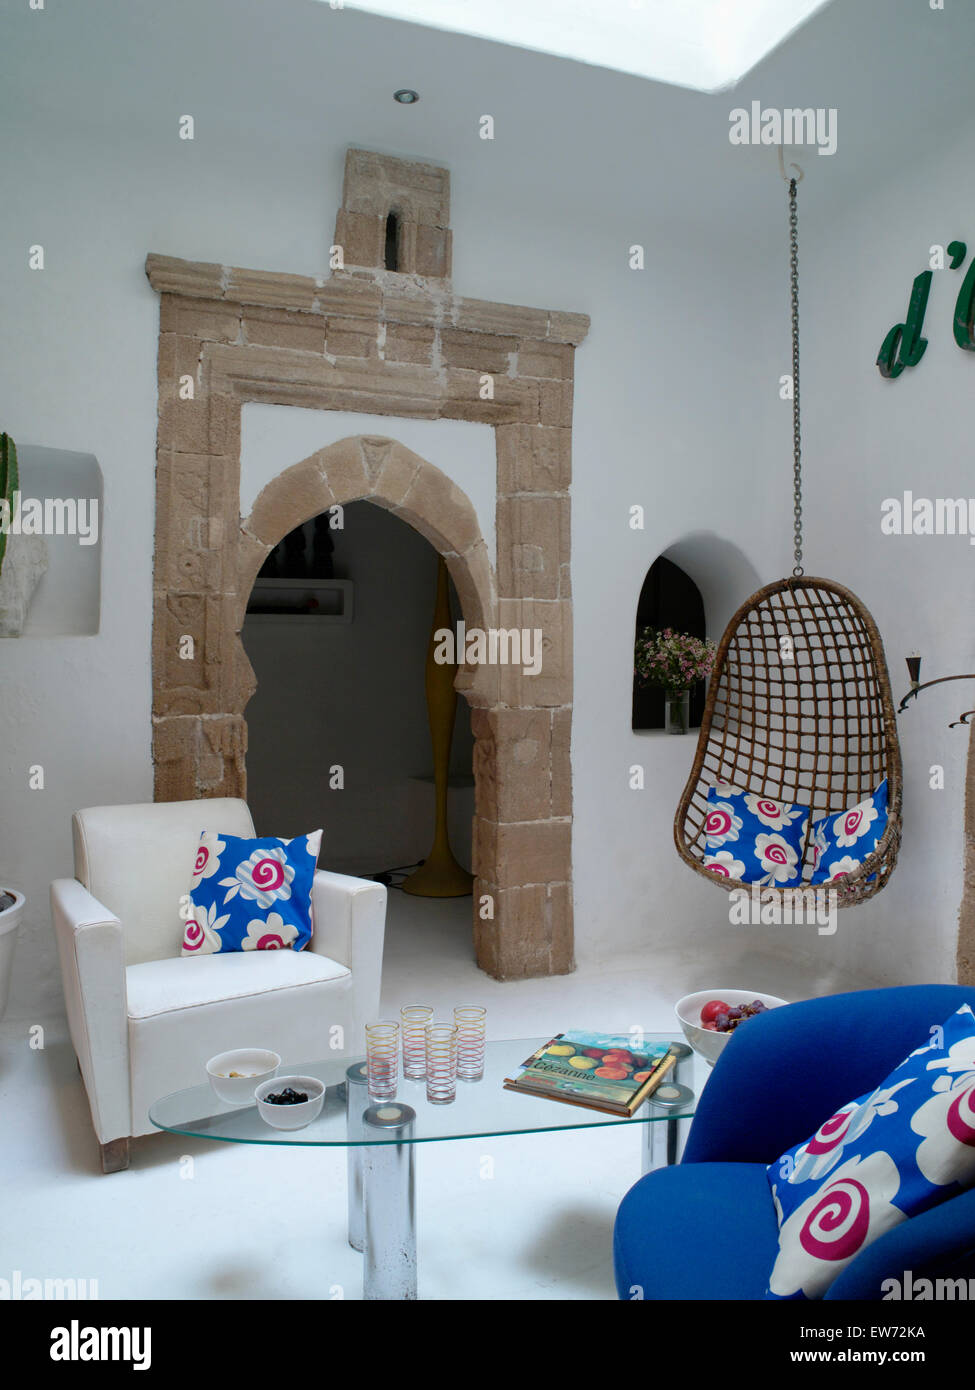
{"points": [[603, 1071]]}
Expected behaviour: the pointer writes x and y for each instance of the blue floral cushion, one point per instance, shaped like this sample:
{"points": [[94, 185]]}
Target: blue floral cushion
{"points": [[251, 895], [839, 844], [754, 839], [881, 1159]]}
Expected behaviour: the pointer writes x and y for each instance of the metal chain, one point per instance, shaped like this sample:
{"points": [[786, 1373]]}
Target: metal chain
{"points": [[796, 436]]}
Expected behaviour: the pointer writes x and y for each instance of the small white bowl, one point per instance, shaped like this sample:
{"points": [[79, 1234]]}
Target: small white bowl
{"points": [[291, 1116], [255, 1064], [709, 1044]]}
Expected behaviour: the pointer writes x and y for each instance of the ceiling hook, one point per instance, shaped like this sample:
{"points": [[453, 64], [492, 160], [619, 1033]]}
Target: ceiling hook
{"points": [[787, 178]]}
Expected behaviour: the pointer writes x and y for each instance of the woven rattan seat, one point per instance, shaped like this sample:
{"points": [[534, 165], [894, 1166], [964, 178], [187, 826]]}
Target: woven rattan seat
{"points": [[799, 709]]}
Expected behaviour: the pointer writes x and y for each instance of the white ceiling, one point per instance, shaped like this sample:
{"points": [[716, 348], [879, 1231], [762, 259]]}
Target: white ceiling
{"points": [[577, 148], [707, 45]]}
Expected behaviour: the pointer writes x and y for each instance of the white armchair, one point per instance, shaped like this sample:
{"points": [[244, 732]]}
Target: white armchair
{"points": [[143, 1018]]}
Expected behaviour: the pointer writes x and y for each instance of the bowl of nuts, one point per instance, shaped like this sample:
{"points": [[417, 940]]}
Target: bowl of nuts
{"points": [[290, 1102], [233, 1075]]}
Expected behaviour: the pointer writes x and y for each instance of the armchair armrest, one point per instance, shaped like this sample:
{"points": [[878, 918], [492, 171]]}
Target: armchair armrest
{"points": [[785, 1072], [350, 924], [92, 955]]}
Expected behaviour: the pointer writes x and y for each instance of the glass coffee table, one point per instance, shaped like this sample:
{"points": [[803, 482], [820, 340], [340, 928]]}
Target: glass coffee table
{"points": [[381, 1138]]}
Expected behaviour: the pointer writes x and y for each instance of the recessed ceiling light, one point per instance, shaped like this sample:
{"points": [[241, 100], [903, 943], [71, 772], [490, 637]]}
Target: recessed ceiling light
{"points": [[703, 44], [406, 96]]}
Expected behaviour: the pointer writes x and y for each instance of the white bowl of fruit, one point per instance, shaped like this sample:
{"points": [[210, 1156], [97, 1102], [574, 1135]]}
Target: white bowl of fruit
{"points": [[710, 1016]]}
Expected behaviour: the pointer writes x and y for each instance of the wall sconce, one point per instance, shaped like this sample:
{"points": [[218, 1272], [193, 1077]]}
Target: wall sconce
{"points": [[914, 669]]}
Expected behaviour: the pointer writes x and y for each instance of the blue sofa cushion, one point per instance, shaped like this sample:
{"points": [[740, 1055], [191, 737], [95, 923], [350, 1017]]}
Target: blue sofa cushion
{"points": [[699, 1231], [897, 1151]]}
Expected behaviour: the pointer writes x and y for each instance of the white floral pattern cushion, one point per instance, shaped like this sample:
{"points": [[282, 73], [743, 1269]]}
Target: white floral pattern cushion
{"points": [[839, 844], [754, 839], [879, 1160], [251, 895]]}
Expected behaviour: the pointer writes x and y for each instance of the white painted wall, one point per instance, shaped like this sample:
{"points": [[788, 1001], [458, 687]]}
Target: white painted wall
{"points": [[676, 401]]}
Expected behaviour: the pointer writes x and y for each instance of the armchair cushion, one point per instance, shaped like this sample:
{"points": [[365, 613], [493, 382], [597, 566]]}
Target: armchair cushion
{"points": [[891, 1154], [251, 894], [161, 986]]}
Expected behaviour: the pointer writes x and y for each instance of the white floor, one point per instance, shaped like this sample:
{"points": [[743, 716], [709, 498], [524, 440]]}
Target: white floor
{"points": [[515, 1218]]}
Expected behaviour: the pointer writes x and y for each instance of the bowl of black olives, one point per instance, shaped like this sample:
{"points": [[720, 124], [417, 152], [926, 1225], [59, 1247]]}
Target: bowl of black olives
{"points": [[290, 1102]]}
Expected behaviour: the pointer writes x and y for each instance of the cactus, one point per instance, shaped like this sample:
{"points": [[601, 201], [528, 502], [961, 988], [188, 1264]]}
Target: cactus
{"points": [[9, 483]]}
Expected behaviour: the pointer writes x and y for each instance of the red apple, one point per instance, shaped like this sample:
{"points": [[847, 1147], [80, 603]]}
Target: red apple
{"points": [[711, 1010], [611, 1073]]}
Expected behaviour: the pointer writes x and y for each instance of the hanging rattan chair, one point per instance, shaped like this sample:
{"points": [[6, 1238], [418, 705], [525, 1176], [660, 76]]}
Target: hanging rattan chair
{"points": [[799, 706], [799, 709]]}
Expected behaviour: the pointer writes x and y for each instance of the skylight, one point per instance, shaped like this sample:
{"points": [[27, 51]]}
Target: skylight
{"points": [[704, 44]]}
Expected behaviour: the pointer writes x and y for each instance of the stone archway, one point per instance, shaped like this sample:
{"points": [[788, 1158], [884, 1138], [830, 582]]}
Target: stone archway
{"points": [[374, 340]]}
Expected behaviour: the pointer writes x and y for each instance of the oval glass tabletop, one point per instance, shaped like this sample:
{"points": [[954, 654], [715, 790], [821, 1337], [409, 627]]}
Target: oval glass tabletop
{"points": [[482, 1108]]}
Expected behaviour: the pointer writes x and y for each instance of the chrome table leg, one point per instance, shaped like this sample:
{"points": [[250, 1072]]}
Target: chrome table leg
{"points": [[389, 1202], [356, 1101]]}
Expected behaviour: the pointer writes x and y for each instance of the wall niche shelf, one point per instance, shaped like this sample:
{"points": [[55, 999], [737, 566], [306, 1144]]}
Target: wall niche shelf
{"points": [[293, 601]]}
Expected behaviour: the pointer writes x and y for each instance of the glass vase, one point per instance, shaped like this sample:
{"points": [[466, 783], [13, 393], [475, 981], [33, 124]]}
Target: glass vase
{"points": [[677, 712]]}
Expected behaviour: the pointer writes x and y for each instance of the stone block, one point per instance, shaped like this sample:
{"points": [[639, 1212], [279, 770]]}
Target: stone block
{"points": [[352, 337], [532, 852], [407, 304], [405, 342], [533, 541], [440, 511], [534, 932], [514, 320], [223, 745], [191, 279], [533, 458], [567, 328], [474, 581], [555, 403], [345, 294], [477, 352], [175, 753], [283, 328], [179, 357], [512, 400], [375, 183], [299, 493], [390, 469], [432, 251], [552, 686], [271, 287], [512, 764], [550, 360], [361, 237], [208, 320]]}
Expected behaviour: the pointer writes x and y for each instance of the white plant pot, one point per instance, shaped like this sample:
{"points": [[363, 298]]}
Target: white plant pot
{"points": [[9, 922]]}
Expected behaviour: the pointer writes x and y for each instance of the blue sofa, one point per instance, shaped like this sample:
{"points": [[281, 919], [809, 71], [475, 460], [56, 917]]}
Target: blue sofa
{"points": [[706, 1228]]}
